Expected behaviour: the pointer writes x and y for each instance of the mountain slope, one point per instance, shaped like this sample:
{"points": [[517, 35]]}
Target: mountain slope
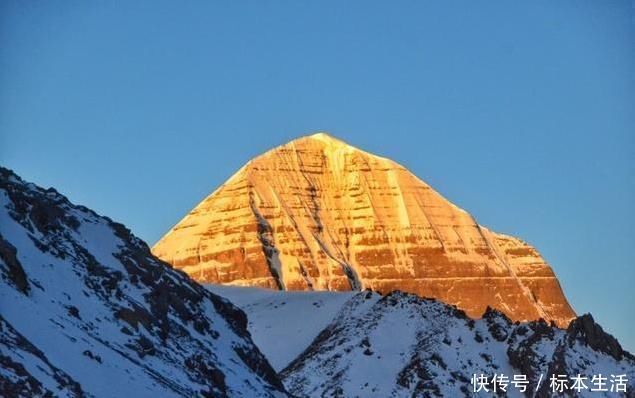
{"points": [[86, 310], [319, 214], [283, 324], [400, 345]]}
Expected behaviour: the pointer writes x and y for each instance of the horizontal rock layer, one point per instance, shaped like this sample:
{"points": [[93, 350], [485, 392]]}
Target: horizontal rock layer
{"points": [[318, 214]]}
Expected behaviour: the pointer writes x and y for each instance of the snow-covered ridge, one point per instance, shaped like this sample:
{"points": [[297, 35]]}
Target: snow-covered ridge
{"points": [[400, 345], [86, 310]]}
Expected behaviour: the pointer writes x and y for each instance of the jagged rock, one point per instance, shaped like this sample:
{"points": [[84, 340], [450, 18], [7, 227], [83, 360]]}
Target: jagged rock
{"points": [[318, 214], [105, 318], [13, 271], [585, 330], [37, 377], [423, 348]]}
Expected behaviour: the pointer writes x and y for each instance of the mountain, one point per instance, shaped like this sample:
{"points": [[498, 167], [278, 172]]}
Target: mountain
{"points": [[87, 311], [403, 345], [400, 345], [319, 214]]}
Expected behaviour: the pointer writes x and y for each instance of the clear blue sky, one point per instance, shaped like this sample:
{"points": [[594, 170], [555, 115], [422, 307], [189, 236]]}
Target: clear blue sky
{"points": [[520, 112]]}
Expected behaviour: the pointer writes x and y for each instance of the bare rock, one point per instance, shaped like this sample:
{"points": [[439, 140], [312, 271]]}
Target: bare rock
{"points": [[319, 214]]}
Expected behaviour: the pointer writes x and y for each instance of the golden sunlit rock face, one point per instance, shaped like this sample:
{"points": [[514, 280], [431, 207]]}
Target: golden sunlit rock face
{"points": [[318, 214]]}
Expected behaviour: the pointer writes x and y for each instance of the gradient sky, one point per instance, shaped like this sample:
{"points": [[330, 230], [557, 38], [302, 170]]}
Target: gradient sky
{"points": [[520, 112]]}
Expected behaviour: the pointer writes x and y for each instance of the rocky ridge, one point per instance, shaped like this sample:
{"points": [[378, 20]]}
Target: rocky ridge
{"points": [[401, 345], [86, 310]]}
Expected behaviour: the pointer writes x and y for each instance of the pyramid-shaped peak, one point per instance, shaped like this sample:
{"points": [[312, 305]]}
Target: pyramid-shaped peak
{"points": [[319, 214], [325, 143], [325, 138]]}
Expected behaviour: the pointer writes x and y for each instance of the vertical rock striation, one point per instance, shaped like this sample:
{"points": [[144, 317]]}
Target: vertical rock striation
{"points": [[319, 214]]}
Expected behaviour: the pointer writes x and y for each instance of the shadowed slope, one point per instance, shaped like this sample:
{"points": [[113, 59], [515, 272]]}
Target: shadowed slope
{"points": [[88, 311]]}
